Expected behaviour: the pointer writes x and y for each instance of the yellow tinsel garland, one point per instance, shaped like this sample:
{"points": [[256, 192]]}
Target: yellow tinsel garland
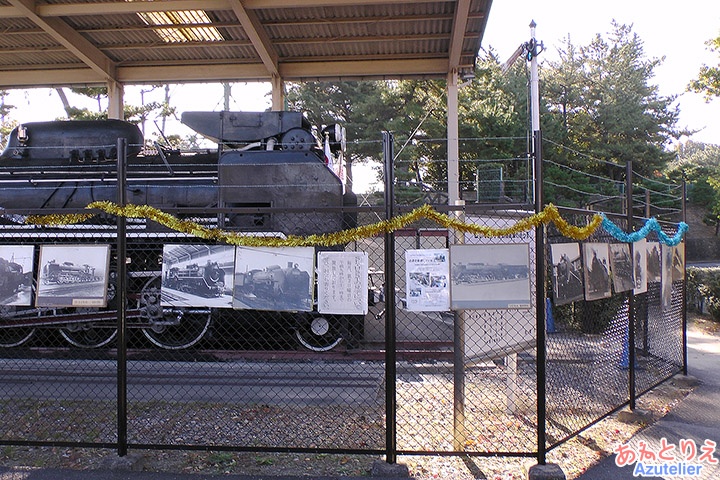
{"points": [[549, 214]]}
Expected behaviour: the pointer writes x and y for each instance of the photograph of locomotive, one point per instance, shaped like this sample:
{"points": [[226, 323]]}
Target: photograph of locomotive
{"points": [[16, 274], [621, 266], [269, 174], [597, 270], [274, 278], [73, 276], [490, 276], [567, 273], [197, 275]]}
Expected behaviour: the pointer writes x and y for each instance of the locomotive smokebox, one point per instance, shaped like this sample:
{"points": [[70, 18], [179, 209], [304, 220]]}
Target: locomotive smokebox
{"points": [[77, 141]]}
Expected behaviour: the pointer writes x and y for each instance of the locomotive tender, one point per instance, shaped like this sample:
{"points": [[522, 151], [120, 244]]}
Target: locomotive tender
{"points": [[265, 164]]}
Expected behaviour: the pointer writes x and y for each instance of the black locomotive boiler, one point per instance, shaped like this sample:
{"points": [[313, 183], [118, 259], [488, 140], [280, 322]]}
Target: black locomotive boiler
{"points": [[266, 168]]}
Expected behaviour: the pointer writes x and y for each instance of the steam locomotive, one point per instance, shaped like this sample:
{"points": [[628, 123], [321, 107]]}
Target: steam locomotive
{"points": [[480, 272], [266, 167], [290, 284], [206, 281], [12, 277], [67, 272]]}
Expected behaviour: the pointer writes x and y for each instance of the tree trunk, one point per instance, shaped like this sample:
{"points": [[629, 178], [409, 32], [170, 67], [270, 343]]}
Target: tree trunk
{"points": [[64, 100]]}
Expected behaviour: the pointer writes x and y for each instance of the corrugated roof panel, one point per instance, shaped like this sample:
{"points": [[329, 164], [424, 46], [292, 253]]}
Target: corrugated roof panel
{"points": [[40, 59], [322, 35]]}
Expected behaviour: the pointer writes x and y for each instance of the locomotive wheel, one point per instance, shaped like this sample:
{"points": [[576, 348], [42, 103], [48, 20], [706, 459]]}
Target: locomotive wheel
{"points": [[172, 330], [13, 336], [88, 335], [318, 333]]}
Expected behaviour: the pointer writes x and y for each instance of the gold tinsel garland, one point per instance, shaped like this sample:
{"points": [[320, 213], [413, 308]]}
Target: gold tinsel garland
{"points": [[549, 214]]}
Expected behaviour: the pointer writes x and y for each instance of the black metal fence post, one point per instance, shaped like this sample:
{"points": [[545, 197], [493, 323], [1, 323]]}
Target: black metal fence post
{"points": [[684, 289], [631, 295], [540, 303], [390, 344], [121, 298]]}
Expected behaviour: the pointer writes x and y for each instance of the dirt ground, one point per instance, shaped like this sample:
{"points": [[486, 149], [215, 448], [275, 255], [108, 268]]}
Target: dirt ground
{"points": [[574, 456]]}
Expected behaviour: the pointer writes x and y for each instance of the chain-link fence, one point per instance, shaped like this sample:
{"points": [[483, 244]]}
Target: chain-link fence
{"points": [[223, 347]]}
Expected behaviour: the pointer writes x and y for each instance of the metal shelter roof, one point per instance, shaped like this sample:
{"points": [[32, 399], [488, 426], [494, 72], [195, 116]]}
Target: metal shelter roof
{"points": [[83, 42]]}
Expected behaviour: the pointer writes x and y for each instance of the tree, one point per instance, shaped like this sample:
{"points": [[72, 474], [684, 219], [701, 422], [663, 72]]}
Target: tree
{"points": [[708, 81], [6, 125], [699, 164], [359, 106], [608, 105]]}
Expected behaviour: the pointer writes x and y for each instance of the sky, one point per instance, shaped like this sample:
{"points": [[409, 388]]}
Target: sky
{"points": [[674, 30]]}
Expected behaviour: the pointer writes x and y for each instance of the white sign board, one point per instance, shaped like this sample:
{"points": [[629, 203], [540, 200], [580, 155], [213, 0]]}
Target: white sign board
{"points": [[427, 274], [342, 283]]}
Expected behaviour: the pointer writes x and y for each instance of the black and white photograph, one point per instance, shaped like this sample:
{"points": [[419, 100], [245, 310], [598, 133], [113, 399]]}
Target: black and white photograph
{"points": [[666, 280], [622, 267], [654, 264], [640, 262], [73, 276], [16, 274], [678, 262], [279, 279], [597, 270], [197, 275], [567, 273], [490, 276]]}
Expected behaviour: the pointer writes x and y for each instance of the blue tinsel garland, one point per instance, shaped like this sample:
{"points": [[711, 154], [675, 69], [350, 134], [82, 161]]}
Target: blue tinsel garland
{"points": [[650, 225]]}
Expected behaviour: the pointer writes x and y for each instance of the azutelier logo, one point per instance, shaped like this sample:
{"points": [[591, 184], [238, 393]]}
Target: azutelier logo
{"points": [[684, 459]]}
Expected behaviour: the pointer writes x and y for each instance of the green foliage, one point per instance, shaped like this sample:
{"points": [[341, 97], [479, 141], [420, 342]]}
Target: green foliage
{"points": [[708, 81], [699, 164], [6, 124], [602, 96], [703, 290]]}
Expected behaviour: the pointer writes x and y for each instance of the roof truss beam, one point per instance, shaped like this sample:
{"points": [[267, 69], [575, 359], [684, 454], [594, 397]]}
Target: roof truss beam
{"points": [[69, 38], [120, 7], [258, 36], [457, 36]]}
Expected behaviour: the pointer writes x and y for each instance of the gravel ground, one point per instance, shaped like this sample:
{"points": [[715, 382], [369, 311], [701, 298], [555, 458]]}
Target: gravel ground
{"points": [[425, 417]]}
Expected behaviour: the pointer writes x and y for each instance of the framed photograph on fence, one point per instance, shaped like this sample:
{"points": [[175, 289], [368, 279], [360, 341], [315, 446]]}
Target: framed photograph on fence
{"points": [[73, 276], [597, 271], [640, 263], [427, 279], [622, 267], [567, 273], [678, 262], [490, 276], [274, 278], [654, 263], [198, 275], [16, 274], [343, 283]]}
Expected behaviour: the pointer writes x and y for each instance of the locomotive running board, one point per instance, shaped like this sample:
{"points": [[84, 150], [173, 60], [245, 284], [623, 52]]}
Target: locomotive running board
{"points": [[14, 320]]}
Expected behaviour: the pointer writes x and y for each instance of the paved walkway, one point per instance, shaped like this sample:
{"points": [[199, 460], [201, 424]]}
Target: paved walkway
{"points": [[697, 417]]}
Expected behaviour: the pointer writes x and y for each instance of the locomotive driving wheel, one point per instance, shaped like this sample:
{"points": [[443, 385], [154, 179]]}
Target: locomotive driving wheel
{"points": [[172, 329], [13, 336], [319, 333], [93, 334], [88, 334]]}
